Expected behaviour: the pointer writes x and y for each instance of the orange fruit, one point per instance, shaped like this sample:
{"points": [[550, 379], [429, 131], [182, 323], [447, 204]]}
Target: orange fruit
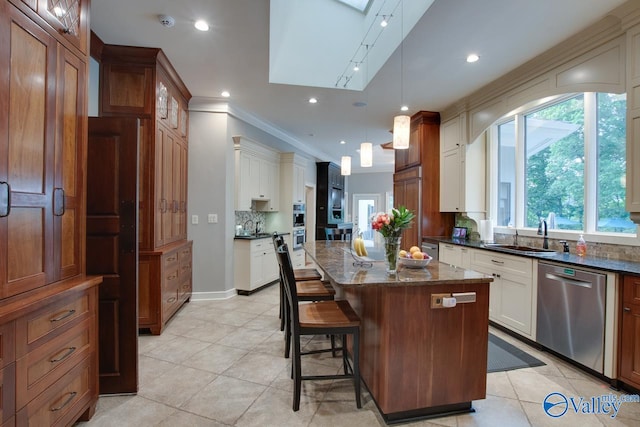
{"points": [[417, 255], [415, 249], [402, 254]]}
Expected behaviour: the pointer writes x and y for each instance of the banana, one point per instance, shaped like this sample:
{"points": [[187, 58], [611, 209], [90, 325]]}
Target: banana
{"points": [[358, 245], [362, 248]]}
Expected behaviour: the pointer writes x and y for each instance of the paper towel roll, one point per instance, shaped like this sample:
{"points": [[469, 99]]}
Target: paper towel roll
{"points": [[486, 231]]}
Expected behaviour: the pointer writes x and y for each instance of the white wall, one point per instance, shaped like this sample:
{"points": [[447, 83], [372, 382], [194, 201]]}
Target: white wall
{"points": [[211, 183]]}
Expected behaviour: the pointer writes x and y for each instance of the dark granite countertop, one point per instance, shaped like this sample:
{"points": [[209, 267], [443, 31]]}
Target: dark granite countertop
{"points": [[258, 236], [598, 263], [335, 259]]}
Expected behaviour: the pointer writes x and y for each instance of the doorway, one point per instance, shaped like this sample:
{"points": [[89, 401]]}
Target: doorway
{"points": [[364, 207]]}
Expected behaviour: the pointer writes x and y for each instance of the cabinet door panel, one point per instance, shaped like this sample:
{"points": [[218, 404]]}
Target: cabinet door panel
{"points": [[69, 159], [27, 153]]}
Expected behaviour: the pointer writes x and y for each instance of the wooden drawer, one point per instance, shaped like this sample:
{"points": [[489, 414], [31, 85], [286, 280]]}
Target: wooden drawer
{"points": [[7, 394], [631, 290], [170, 291], [184, 293], [59, 404], [169, 259], [184, 253], [41, 325], [42, 367], [516, 265], [7, 344]]}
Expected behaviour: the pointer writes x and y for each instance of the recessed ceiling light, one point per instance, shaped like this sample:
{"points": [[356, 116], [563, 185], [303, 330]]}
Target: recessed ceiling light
{"points": [[472, 58], [225, 93], [343, 142], [404, 108], [201, 25], [313, 101]]}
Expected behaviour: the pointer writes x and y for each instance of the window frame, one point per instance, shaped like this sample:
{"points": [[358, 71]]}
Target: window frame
{"points": [[590, 170]]}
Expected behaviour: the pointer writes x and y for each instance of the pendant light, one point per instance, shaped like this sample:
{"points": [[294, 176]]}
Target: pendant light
{"points": [[366, 154], [345, 165], [401, 123]]}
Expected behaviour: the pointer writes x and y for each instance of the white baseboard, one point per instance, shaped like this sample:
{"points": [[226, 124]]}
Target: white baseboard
{"points": [[210, 296]]}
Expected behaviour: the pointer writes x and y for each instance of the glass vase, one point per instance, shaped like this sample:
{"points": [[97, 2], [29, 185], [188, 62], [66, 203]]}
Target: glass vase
{"points": [[391, 251]]}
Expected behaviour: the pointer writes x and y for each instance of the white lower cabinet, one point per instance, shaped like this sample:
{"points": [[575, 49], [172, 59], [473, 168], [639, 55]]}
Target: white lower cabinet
{"points": [[458, 256], [512, 292], [255, 263], [298, 258]]}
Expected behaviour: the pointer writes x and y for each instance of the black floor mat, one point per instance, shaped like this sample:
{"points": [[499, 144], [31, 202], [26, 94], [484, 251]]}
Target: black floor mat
{"points": [[506, 357]]}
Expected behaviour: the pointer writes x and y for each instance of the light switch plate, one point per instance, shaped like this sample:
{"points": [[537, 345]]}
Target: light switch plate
{"points": [[194, 219], [212, 218]]}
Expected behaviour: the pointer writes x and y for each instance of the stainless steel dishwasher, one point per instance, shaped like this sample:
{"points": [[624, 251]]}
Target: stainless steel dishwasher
{"points": [[571, 306], [431, 249]]}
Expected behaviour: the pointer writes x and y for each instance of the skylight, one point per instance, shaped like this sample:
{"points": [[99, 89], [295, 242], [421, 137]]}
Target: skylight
{"points": [[361, 5]]}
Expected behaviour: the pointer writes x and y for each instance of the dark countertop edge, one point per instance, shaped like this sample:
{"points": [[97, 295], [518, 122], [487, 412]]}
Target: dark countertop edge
{"points": [[612, 265], [260, 236]]}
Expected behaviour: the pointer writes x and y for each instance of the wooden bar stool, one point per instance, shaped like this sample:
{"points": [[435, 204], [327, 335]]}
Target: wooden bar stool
{"points": [[310, 287], [319, 318]]}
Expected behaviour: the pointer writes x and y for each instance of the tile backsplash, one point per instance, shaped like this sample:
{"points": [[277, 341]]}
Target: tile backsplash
{"points": [[602, 250], [249, 219]]}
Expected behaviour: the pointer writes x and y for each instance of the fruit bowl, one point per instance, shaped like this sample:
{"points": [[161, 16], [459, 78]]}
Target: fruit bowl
{"points": [[414, 263]]}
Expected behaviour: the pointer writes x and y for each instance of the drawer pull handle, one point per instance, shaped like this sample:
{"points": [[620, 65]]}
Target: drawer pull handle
{"points": [[171, 258], [497, 262], [66, 402], [63, 316], [58, 202], [171, 300], [66, 354], [626, 309]]}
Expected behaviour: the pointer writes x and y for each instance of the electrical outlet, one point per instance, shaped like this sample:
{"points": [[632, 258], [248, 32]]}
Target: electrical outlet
{"points": [[436, 300]]}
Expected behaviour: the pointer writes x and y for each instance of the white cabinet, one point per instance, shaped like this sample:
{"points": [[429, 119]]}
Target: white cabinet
{"points": [[298, 258], [462, 168], [512, 293], [257, 177], [455, 255], [298, 184], [255, 263]]}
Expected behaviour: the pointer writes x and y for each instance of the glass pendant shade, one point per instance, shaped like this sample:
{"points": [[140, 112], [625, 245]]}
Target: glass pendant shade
{"points": [[366, 155], [401, 132], [345, 165]]}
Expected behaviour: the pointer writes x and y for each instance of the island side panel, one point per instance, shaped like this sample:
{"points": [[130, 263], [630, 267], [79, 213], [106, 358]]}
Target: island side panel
{"points": [[415, 357]]}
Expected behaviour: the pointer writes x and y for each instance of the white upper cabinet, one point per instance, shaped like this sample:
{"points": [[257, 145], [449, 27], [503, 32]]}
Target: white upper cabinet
{"points": [[257, 176], [462, 168]]}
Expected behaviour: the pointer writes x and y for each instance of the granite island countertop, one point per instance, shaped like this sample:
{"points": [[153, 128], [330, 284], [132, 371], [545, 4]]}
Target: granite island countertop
{"points": [[335, 259], [598, 263]]}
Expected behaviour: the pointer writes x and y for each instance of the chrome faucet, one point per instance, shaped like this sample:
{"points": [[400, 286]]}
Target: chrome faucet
{"points": [[545, 241]]}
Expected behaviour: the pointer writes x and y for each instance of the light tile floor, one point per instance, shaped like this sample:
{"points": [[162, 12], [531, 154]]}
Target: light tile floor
{"points": [[220, 363]]}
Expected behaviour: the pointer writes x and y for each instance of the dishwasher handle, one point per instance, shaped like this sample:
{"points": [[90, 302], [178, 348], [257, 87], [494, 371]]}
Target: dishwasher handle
{"points": [[568, 281]]}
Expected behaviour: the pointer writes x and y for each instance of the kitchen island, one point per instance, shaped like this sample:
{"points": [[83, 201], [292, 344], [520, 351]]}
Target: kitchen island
{"points": [[417, 360]]}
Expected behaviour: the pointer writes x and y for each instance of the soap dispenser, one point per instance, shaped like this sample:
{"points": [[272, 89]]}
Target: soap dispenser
{"points": [[581, 246]]}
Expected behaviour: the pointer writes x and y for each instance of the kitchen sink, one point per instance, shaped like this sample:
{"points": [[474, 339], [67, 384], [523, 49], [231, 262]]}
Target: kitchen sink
{"points": [[519, 249]]}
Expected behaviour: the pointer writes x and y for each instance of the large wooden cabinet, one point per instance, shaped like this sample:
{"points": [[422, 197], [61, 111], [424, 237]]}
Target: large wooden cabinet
{"points": [[629, 351], [48, 306], [416, 182], [142, 83]]}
